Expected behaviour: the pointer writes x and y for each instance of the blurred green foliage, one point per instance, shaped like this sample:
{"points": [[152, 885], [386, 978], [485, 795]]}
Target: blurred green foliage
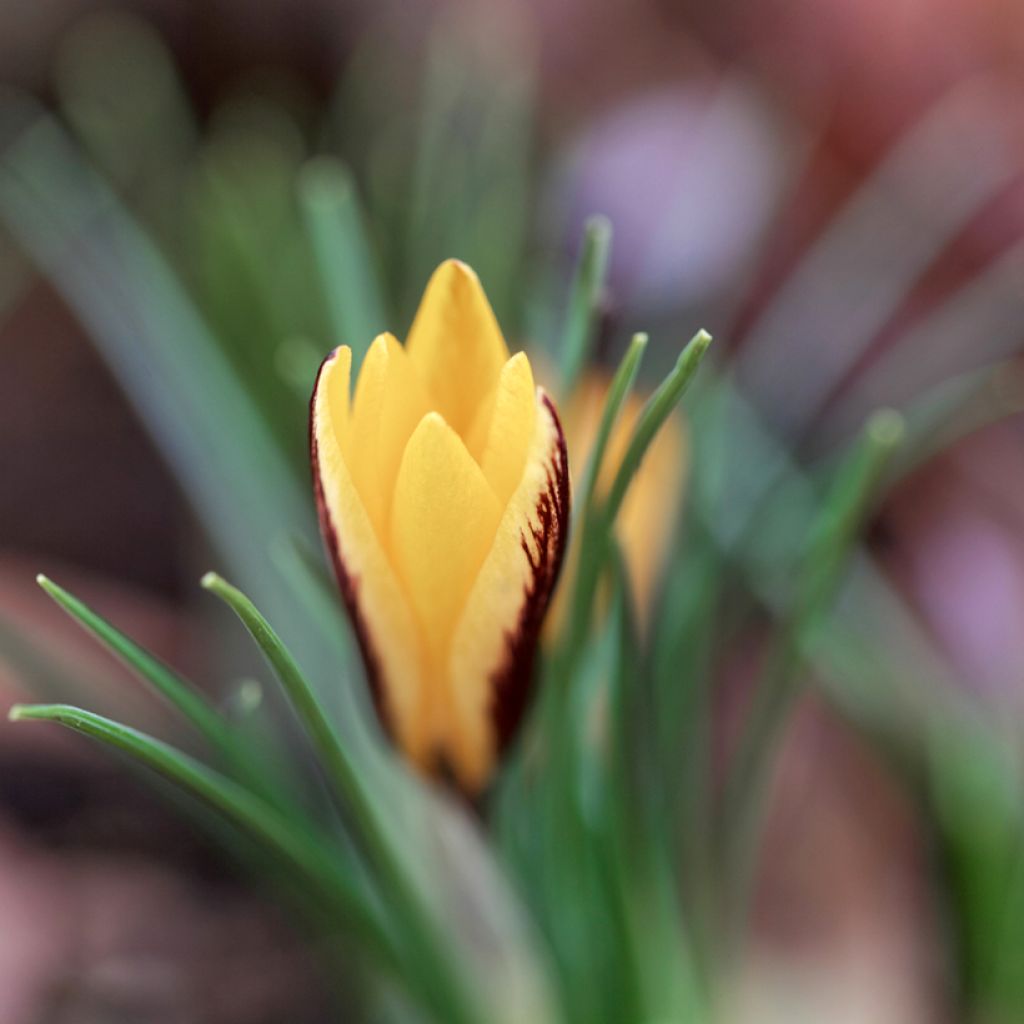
{"points": [[215, 263]]}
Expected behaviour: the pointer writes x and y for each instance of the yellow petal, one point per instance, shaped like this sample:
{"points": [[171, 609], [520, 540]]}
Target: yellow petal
{"points": [[500, 438], [443, 497], [442, 523], [492, 649], [389, 402], [383, 620], [456, 344], [336, 372]]}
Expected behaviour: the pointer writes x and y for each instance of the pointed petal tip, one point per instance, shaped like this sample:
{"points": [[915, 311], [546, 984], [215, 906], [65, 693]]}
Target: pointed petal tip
{"points": [[431, 427], [339, 358], [338, 352], [456, 267], [383, 340]]}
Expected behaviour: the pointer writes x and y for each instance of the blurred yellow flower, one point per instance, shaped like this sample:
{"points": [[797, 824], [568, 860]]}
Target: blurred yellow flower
{"points": [[443, 495], [651, 507]]}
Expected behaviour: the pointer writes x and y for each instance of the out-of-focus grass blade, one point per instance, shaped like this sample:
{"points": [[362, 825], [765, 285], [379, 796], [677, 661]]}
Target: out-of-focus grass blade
{"points": [[47, 675], [756, 505], [171, 367], [438, 170], [469, 181], [961, 339], [833, 537], [247, 257], [15, 275], [585, 300], [313, 861], [119, 90], [976, 784], [957, 409], [643, 861], [828, 549], [347, 269], [854, 277]]}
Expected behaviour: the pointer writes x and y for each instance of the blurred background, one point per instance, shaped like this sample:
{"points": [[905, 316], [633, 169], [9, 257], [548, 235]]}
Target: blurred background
{"points": [[833, 188]]}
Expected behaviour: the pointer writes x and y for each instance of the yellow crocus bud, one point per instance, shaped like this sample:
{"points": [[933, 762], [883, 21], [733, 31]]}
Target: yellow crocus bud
{"points": [[443, 496]]}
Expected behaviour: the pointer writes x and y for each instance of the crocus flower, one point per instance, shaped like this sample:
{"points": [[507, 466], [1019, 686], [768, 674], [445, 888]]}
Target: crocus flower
{"points": [[651, 508], [443, 496]]}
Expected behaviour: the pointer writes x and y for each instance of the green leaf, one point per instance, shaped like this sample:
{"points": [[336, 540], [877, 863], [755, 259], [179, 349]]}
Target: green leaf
{"points": [[653, 415], [335, 223], [585, 300], [332, 751], [586, 522], [182, 695], [170, 364], [976, 790], [312, 859], [365, 803], [178, 692], [598, 522], [828, 549], [618, 392]]}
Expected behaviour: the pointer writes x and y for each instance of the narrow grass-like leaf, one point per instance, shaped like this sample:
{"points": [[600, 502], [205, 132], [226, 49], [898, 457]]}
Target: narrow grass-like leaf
{"points": [[618, 392], [350, 284], [343, 691], [779, 687], [976, 790], [179, 693], [599, 521], [49, 674], [329, 746], [586, 557], [170, 364], [182, 695], [247, 811], [427, 948], [584, 300], [658, 408], [923, 192]]}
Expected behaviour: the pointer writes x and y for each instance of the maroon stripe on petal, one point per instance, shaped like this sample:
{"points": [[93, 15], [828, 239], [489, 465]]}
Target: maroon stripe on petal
{"points": [[544, 547], [348, 584]]}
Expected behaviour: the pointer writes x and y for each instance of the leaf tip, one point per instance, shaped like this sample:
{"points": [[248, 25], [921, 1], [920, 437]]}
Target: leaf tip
{"points": [[210, 581], [693, 351], [886, 428], [599, 228]]}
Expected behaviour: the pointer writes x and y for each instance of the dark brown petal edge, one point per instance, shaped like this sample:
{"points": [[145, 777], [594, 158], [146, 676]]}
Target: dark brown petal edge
{"points": [[544, 546], [347, 583]]}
